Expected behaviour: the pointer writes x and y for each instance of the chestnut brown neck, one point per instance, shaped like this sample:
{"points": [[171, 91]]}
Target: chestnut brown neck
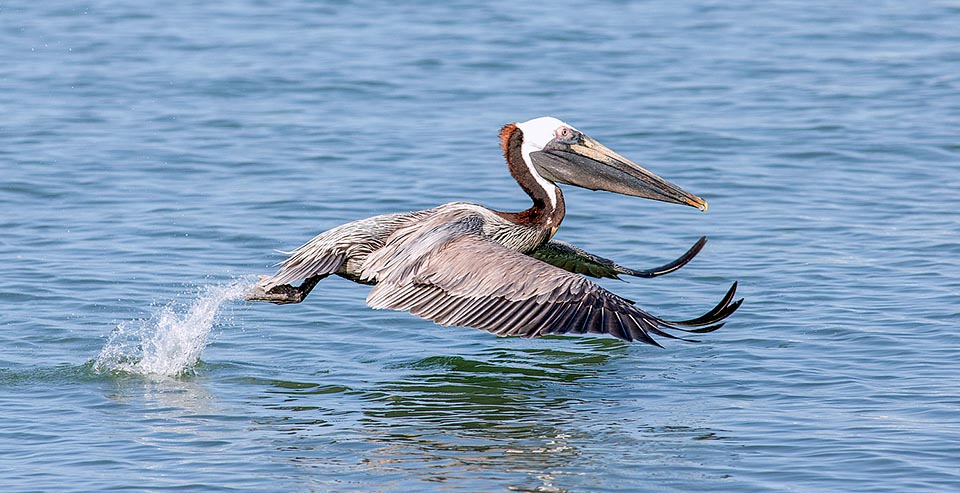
{"points": [[544, 213]]}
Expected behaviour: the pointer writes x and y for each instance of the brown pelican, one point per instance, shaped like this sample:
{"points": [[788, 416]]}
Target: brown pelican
{"points": [[464, 264]]}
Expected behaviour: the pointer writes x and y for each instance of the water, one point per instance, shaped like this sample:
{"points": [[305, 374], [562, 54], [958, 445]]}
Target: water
{"points": [[170, 344], [155, 154]]}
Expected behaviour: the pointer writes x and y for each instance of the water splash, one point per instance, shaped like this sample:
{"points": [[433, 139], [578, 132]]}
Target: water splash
{"points": [[171, 342]]}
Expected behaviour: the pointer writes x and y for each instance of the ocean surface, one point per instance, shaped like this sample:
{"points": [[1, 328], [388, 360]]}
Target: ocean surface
{"points": [[155, 155]]}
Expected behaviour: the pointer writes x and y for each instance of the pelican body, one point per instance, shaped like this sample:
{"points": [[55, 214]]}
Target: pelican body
{"points": [[467, 265]]}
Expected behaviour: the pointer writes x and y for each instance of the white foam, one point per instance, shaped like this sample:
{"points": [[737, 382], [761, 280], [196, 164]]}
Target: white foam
{"points": [[169, 343]]}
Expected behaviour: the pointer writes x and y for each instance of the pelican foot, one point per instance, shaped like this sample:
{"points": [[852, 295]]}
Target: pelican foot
{"points": [[283, 294]]}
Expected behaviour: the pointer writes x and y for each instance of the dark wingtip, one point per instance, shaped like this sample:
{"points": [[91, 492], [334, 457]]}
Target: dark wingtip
{"points": [[671, 336], [668, 267], [708, 322], [723, 310], [707, 330]]}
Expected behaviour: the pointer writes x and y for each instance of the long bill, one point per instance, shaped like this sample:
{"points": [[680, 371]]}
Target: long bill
{"points": [[589, 164]]}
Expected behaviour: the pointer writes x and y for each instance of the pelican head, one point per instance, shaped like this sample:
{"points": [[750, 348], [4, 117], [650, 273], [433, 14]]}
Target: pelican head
{"points": [[562, 154]]}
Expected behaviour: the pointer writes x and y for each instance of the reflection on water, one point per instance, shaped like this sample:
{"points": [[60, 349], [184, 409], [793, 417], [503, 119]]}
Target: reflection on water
{"points": [[502, 411], [525, 416], [180, 397], [491, 389]]}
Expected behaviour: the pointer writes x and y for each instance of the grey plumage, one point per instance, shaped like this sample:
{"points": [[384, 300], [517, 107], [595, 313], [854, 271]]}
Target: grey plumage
{"points": [[344, 249], [452, 265], [340, 250]]}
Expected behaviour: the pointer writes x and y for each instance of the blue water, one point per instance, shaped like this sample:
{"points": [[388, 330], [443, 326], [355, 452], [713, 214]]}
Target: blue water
{"points": [[155, 154]]}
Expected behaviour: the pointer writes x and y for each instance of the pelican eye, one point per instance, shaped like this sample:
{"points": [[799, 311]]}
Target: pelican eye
{"points": [[567, 135]]}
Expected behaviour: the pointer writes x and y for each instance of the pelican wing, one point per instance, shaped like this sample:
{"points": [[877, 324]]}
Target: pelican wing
{"points": [[319, 256], [448, 272], [328, 252], [575, 259]]}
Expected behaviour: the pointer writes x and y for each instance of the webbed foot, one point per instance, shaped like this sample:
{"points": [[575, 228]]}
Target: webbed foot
{"points": [[283, 294]]}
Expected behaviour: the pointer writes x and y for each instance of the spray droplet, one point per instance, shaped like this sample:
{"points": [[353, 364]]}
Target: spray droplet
{"points": [[171, 342]]}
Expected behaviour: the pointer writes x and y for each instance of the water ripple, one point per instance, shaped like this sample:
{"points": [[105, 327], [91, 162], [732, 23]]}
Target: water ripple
{"points": [[150, 149]]}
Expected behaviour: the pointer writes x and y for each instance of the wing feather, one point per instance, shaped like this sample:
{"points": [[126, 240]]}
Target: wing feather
{"points": [[327, 253], [447, 271], [577, 260], [306, 263]]}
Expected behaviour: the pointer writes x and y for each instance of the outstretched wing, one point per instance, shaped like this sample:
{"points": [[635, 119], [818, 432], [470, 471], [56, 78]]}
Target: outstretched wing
{"points": [[575, 259], [328, 252], [446, 271], [322, 255]]}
